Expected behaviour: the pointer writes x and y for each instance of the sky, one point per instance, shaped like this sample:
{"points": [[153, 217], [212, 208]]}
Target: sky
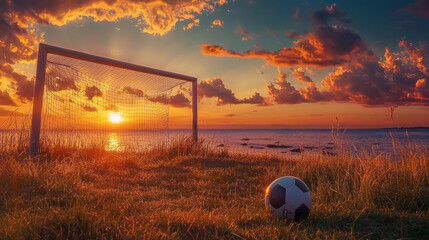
{"points": [[259, 63]]}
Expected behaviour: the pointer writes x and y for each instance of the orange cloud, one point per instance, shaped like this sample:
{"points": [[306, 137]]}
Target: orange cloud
{"points": [[217, 22], [397, 80], [326, 46], [18, 19], [209, 49], [154, 16], [401, 78], [299, 75], [361, 77], [195, 23]]}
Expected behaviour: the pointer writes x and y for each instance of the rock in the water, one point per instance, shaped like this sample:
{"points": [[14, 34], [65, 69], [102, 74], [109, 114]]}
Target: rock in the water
{"points": [[244, 144], [311, 148], [245, 139], [328, 148], [278, 146], [256, 147], [221, 145], [296, 150]]}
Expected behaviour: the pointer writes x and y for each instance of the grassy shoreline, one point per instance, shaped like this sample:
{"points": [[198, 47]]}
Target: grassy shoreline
{"points": [[188, 192]]}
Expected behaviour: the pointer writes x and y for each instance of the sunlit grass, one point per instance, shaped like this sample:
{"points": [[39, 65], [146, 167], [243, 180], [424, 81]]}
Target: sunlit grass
{"points": [[187, 191]]}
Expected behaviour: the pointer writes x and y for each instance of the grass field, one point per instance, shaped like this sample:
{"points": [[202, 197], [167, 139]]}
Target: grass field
{"points": [[195, 192]]}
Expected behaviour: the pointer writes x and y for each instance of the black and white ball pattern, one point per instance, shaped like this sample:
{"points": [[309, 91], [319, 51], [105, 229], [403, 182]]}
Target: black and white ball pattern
{"points": [[288, 198]]}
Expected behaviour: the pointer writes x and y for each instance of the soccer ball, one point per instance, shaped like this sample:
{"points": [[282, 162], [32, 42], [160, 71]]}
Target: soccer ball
{"points": [[288, 198]]}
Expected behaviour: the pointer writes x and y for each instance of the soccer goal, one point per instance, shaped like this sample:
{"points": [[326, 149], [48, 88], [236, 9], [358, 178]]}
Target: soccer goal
{"points": [[88, 99]]}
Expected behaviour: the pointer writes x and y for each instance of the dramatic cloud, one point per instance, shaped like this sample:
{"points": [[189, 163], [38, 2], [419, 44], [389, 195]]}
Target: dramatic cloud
{"points": [[5, 99], [299, 75], [328, 45], [18, 19], [401, 78], [283, 92], [215, 88], [154, 16], [19, 83], [91, 92]]}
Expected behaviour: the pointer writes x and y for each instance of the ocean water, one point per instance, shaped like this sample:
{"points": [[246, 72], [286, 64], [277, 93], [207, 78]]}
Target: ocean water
{"points": [[276, 141], [315, 140]]}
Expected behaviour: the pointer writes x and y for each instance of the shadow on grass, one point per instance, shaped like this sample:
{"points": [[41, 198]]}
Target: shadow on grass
{"points": [[372, 226]]}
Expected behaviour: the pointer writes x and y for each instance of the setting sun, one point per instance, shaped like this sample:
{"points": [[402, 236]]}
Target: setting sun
{"points": [[115, 117]]}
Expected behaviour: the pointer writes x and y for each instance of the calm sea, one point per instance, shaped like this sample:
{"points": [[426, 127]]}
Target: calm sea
{"points": [[277, 141], [287, 141]]}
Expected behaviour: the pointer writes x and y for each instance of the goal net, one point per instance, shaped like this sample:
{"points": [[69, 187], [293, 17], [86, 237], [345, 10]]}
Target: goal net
{"points": [[92, 100]]}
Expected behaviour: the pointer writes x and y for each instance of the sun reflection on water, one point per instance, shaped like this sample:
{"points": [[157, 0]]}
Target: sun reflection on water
{"points": [[113, 143]]}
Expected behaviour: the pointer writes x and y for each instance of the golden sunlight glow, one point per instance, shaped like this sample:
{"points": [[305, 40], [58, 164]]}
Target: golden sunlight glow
{"points": [[113, 143], [115, 117]]}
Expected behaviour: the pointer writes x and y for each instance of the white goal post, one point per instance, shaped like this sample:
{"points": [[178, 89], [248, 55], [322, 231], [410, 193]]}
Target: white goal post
{"points": [[39, 90]]}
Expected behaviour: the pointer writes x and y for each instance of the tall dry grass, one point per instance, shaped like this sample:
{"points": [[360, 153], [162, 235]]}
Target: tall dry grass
{"points": [[188, 191]]}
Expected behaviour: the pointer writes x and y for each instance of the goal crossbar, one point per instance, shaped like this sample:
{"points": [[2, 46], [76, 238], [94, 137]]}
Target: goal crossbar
{"points": [[45, 49], [113, 63]]}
